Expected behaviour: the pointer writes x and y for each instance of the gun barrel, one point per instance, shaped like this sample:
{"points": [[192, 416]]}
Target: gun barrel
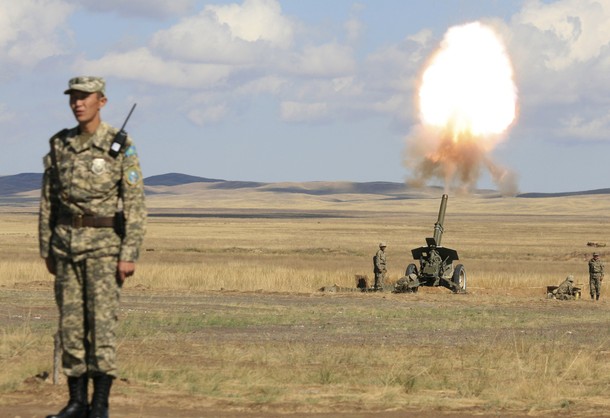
{"points": [[438, 226]]}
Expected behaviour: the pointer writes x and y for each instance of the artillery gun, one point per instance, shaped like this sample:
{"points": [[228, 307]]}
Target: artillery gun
{"points": [[436, 262]]}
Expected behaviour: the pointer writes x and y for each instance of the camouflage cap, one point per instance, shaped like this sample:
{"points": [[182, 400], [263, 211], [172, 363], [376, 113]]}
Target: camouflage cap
{"points": [[87, 84], [570, 278], [595, 254], [382, 244]]}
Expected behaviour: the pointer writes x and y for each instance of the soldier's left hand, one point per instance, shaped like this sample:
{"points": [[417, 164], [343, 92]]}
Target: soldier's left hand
{"points": [[51, 268], [125, 269]]}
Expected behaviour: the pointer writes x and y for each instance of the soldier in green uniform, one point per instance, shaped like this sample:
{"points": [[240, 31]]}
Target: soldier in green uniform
{"points": [[407, 284], [91, 225], [565, 291], [596, 275], [379, 266]]}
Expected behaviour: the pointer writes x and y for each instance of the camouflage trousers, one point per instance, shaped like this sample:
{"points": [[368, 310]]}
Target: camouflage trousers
{"points": [[406, 285], [595, 285], [565, 296], [379, 280], [87, 295]]}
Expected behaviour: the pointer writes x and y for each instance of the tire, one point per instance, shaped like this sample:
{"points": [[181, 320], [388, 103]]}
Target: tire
{"points": [[459, 277], [411, 268]]}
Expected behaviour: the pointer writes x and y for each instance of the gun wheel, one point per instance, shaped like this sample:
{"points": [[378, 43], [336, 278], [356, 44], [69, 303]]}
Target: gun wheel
{"points": [[459, 277]]}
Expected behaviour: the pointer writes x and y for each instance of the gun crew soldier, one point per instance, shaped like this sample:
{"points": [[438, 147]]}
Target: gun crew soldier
{"points": [[565, 291], [380, 267], [87, 244], [596, 276]]}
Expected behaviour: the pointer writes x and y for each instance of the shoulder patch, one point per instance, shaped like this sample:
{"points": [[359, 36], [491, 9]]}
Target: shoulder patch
{"points": [[133, 176], [130, 151]]}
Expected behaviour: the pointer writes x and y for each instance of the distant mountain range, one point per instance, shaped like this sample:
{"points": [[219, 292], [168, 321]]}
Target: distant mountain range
{"points": [[19, 183], [28, 182]]}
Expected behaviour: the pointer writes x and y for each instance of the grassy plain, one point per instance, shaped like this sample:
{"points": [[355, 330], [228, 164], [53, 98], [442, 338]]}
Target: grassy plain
{"points": [[224, 311]]}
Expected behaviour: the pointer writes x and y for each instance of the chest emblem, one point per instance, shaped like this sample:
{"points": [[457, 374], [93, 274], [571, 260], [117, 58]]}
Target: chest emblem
{"points": [[98, 166]]}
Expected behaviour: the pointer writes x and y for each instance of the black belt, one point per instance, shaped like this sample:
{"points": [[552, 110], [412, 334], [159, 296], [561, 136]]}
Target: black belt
{"points": [[91, 221]]}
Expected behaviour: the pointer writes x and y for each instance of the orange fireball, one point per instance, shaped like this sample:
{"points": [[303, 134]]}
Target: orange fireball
{"points": [[468, 86]]}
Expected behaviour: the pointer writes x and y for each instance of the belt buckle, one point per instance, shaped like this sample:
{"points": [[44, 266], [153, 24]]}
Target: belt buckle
{"points": [[77, 221]]}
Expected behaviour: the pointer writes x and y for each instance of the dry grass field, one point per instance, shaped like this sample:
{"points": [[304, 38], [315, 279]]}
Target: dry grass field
{"points": [[224, 317]]}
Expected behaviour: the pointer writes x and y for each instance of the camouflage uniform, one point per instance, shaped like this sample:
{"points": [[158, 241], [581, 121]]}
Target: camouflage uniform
{"points": [[565, 291], [596, 275], [379, 266], [83, 187], [90, 183], [407, 284]]}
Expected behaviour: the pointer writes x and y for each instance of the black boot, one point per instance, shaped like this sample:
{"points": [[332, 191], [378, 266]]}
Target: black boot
{"points": [[596, 297], [101, 392], [77, 405]]}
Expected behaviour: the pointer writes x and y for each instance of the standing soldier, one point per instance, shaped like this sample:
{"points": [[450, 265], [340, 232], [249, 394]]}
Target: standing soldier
{"points": [[88, 245], [379, 267], [596, 275]]}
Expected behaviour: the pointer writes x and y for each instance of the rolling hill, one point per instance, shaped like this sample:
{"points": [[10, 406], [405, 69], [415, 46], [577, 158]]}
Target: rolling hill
{"points": [[28, 184]]}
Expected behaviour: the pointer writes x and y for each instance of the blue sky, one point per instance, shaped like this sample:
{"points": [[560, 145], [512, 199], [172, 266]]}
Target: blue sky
{"points": [[301, 90]]}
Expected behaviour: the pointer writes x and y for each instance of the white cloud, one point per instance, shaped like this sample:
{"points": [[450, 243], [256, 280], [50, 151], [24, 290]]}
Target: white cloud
{"points": [[561, 55], [394, 105], [202, 39], [396, 67], [302, 112], [329, 60], [32, 30], [265, 84], [142, 66], [234, 34], [578, 127], [353, 29], [202, 50], [208, 115], [572, 31], [336, 90], [422, 37], [139, 8], [256, 20], [234, 50]]}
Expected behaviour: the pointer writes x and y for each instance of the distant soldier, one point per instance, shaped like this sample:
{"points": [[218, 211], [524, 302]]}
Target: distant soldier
{"points": [[565, 291], [379, 266], [596, 275], [407, 284]]}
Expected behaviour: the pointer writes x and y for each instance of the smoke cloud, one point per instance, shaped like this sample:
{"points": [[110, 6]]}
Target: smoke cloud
{"points": [[434, 154]]}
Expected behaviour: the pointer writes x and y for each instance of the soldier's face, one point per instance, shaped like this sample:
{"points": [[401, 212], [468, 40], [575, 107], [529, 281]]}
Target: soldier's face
{"points": [[86, 106]]}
